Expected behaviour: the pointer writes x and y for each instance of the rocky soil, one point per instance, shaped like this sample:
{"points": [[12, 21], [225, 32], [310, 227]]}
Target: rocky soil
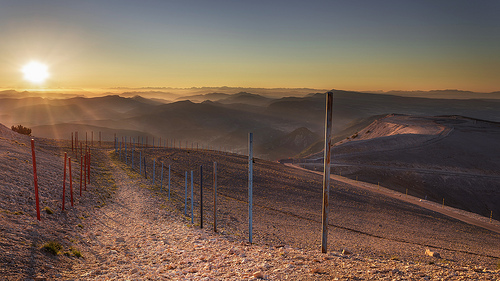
{"points": [[126, 228]]}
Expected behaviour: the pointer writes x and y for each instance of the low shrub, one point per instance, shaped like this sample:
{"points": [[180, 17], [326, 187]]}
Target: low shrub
{"points": [[21, 130], [52, 247]]}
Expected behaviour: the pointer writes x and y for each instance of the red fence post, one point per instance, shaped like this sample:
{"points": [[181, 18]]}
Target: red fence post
{"points": [[72, 142], [70, 181], [64, 182], [88, 167], [35, 179], [85, 172]]}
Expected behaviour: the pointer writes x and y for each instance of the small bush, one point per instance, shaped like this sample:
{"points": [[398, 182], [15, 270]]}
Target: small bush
{"points": [[52, 247], [21, 130], [76, 253], [80, 225]]}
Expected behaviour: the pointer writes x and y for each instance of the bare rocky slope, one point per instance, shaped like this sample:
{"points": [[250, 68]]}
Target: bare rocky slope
{"points": [[453, 158], [125, 227]]}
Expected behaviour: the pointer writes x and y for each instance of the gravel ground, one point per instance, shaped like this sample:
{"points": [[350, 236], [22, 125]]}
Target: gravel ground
{"points": [[126, 228]]}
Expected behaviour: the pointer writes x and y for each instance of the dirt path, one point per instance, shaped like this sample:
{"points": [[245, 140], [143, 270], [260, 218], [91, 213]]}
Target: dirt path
{"points": [[136, 236], [448, 211]]}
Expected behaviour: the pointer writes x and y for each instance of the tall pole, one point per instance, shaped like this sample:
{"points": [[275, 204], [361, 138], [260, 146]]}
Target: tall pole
{"points": [[35, 180], [215, 196], [201, 196], [64, 182], [192, 198], [250, 185], [185, 192], [70, 181], [326, 174]]}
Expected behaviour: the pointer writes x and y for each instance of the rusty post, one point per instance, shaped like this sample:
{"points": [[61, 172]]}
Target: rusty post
{"points": [[326, 174], [64, 182], [70, 182], [85, 172], [88, 163], [81, 174], [35, 180]]}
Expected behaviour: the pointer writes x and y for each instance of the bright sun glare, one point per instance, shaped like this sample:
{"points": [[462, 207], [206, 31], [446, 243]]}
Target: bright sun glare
{"points": [[35, 72]]}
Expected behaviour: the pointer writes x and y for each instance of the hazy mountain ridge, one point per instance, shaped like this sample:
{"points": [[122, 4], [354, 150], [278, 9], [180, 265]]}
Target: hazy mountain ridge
{"points": [[218, 123]]}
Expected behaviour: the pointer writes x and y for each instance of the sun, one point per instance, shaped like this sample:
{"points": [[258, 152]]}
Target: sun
{"points": [[35, 72]]}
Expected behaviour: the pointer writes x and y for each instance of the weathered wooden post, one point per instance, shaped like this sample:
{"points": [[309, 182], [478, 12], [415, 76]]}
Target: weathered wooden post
{"points": [[133, 149], [145, 169], [72, 149], [154, 170], [168, 182], [81, 174], [92, 139], [192, 198], [201, 196], [126, 159], [326, 171], [140, 162], [185, 192], [35, 180], [250, 185], [161, 182], [215, 196]]}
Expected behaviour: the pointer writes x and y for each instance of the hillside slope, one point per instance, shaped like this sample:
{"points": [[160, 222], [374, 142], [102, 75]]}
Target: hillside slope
{"points": [[450, 157]]}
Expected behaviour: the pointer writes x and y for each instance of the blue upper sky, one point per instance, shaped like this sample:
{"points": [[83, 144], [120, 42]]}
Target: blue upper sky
{"points": [[357, 45]]}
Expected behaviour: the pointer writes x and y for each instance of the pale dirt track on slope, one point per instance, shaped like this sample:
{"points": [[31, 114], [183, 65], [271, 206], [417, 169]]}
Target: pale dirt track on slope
{"points": [[467, 217]]}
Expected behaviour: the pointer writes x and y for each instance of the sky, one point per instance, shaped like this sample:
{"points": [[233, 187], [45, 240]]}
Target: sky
{"points": [[322, 44]]}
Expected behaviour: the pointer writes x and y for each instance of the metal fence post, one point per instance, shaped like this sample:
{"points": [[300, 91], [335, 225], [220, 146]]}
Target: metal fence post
{"points": [[201, 196], [215, 196], [326, 174], [192, 198], [250, 185]]}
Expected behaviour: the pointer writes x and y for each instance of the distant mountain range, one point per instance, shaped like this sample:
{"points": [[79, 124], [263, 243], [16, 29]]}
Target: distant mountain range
{"points": [[221, 119]]}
